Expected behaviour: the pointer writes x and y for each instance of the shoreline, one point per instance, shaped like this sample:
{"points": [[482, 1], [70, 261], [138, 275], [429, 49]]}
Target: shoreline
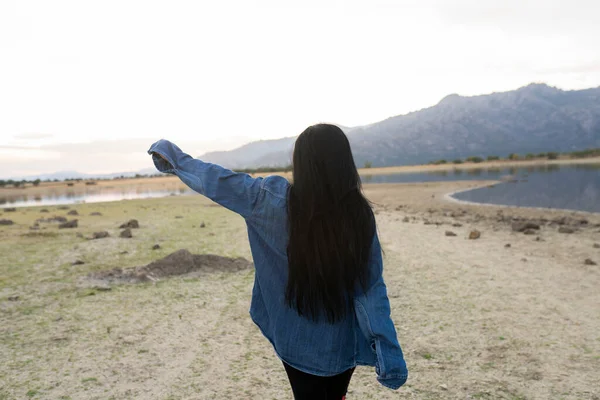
{"points": [[449, 197]]}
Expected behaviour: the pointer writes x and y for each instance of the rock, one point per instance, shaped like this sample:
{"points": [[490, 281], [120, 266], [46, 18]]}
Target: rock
{"points": [[457, 225], [35, 227], [178, 216], [405, 219], [444, 387], [10, 209], [124, 252], [450, 233], [539, 239], [202, 225], [100, 235], [589, 261], [131, 224], [96, 214], [63, 208], [69, 224], [101, 288], [79, 235], [583, 221], [523, 226], [156, 247], [596, 245], [529, 232], [44, 210], [524, 259], [77, 262], [474, 235], [6, 222], [126, 233], [564, 229], [73, 212], [14, 298], [507, 245]]}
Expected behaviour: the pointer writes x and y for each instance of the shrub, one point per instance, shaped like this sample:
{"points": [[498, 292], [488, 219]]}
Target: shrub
{"points": [[475, 159], [513, 156], [552, 155], [368, 164], [493, 158], [458, 161]]}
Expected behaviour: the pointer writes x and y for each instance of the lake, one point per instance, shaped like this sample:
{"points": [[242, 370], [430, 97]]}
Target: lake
{"points": [[575, 187]]}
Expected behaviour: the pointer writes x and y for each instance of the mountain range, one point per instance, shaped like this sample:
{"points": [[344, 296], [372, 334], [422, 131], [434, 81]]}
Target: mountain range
{"points": [[535, 118]]}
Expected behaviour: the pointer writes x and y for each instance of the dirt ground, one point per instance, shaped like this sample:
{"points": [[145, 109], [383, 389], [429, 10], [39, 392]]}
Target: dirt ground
{"points": [[477, 319]]}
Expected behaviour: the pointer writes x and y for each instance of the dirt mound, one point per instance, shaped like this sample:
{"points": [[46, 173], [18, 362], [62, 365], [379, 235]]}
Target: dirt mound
{"points": [[181, 262]]}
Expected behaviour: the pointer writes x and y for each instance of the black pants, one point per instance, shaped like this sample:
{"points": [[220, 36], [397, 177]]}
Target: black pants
{"points": [[312, 387]]}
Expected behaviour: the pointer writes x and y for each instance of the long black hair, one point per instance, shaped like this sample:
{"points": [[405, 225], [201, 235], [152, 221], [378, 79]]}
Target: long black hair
{"points": [[331, 226]]}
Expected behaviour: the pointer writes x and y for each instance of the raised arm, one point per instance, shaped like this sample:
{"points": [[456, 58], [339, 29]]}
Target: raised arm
{"points": [[236, 191], [373, 314]]}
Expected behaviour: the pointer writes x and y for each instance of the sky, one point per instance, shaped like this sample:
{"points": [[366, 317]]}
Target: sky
{"points": [[88, 86]]}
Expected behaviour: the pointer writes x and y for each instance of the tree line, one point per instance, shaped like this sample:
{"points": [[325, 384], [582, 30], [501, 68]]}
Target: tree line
{"points": [[529, 156]]}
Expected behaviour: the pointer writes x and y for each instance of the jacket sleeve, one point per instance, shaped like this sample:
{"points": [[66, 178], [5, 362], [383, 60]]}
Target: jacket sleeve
{"points": [[373, 314], [235, 191]]}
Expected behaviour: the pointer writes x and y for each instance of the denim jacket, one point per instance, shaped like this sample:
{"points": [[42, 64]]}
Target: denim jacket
{"points": [[320, 348]]}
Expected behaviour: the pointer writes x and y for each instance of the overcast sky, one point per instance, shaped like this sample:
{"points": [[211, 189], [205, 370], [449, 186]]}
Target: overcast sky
{"points": [[88, 86]]}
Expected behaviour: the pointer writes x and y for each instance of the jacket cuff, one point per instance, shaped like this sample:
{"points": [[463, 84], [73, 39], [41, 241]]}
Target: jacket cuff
{"points": [[393, 382]]}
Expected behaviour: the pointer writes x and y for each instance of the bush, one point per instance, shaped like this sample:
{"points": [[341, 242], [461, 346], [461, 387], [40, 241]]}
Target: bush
{"points": [[458, 161], [493, 158], [552, 156], [368, 164], [513, 156], [530, 156], [439, 162], [475, 159], [542, 155], [36, 182]]}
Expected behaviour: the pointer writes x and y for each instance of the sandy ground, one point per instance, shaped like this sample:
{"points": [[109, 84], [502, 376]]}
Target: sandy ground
{"points": [[476, 319]]}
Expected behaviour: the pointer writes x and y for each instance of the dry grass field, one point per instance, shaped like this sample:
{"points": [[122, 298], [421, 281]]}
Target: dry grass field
{"points": [[505, 316]]}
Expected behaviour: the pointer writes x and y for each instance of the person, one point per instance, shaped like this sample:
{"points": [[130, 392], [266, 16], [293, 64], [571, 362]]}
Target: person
{"points": [[319, 296]]}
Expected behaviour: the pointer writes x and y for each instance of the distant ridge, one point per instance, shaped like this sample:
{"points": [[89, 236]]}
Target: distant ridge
{"points": [[535, 118]]}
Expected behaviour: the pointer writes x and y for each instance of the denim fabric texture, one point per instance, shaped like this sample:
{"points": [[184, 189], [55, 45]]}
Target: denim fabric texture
{"points": [[319, 348]]}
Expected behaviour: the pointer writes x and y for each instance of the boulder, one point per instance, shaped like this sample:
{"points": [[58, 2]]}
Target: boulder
{"points": [[68, 224], [156, 247], [73, 212], [126, 234], [523, 226], [596, 245], [203, 225], [10, 209], [450, 233], [529, 232], [6, 222], [100, 235], [474, 235], [589, 261], [131, 224], [77, 262], [564, 229]]}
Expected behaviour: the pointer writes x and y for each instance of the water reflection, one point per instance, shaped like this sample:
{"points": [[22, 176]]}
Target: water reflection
{"points": [[89, 194]]}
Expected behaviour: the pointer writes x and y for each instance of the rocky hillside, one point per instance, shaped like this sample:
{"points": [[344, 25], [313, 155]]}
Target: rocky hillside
{"points": [[536, 118]]}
